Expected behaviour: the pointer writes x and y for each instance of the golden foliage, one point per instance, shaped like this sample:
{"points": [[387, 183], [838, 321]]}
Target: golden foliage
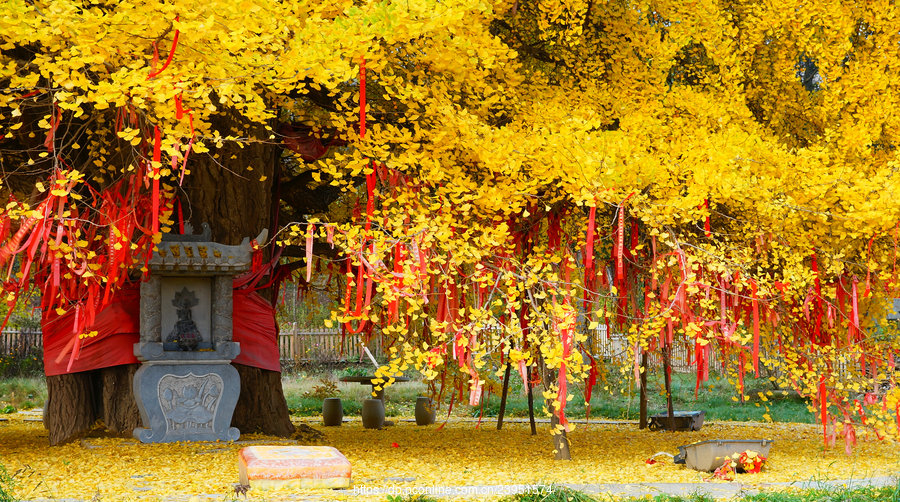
{"points": [[492, 128]]}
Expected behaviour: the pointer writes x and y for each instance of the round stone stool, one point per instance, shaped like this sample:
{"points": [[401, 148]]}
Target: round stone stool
{"points": [[424, 411], [373, 413], [332, 412]]}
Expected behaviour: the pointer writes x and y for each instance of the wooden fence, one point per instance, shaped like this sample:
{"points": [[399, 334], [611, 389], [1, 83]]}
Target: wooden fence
{"points": [[14, 342], [616, 347], [299, 344]]}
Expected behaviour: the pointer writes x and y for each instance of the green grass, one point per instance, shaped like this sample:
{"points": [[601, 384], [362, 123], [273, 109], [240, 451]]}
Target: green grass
{"points": [[22, 393], [550, 493], [672, 498], [868, 494], [411, 498], [556, 493], [6, 486], [619, 402], [400, 398], [609, 401]]}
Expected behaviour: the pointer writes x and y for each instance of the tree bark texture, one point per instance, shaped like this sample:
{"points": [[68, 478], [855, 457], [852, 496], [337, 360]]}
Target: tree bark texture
{"points": [[503, 395], [261, 406], [77, 400], [561, 447], [643, 398], [220, 190]]}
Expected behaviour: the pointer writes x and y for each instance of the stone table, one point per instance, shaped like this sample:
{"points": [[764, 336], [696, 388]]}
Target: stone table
{"points": [[370, 380], [379, 394]]}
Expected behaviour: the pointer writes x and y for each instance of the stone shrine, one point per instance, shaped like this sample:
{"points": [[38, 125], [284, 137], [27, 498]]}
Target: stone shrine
{"points": [[186, 388]]}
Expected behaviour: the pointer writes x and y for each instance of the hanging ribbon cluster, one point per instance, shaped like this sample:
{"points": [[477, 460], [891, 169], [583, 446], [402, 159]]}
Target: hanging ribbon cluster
{"points": [[81, 258], [670, 306], [80, 243], [363, 278], [436, 304]]}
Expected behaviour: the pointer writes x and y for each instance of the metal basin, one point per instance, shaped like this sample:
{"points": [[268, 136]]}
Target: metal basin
{"points": [[710, 455], [684, 421]]}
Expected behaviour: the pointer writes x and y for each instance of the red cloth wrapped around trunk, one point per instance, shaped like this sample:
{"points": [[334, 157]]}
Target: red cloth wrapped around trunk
{"points": [[256, 330], [118, 329]]}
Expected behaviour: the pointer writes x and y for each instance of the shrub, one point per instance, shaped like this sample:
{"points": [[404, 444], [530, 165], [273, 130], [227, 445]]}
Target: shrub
{"points": [[6, 486], [326, 388]]}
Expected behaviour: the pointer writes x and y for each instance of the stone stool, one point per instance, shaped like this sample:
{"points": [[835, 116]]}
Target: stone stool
{"points": [[332, 411], [373, 414]]}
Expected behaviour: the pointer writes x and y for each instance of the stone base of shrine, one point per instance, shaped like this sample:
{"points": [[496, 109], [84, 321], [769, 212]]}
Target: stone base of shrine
{"points": [[289, 467], [186, 401]]}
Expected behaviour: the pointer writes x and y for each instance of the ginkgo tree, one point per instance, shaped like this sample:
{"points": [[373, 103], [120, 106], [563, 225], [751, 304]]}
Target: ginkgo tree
{"points": [[496, 178]]}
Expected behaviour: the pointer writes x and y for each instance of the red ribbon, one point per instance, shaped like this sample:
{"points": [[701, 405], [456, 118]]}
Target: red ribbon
{"points": [[706, 227], [619, 249], [370, 209], [310, 232], [755, 328], [589, 258], [168, 59], [823, 405], [818, 299], [157, 159], [854, 313]]}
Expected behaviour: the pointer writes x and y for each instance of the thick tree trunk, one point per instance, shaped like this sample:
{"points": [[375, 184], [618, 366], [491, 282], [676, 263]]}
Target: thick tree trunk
{"points": [[231, 189], [118, 408], [77, 400], [69, 408], [261, 406]]}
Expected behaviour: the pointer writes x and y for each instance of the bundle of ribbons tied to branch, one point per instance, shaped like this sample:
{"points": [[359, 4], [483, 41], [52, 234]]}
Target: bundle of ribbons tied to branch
{"points": [[84, 259], [740, 302]]}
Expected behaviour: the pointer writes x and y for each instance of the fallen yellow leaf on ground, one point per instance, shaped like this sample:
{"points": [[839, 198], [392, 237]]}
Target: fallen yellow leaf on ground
{"points": [[457, 455]]}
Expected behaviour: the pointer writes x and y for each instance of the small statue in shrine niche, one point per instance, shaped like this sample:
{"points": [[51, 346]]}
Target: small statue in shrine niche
{"points": [[185, 332]]}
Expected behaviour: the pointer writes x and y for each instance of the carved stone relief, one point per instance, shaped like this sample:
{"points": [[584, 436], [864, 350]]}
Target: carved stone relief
{"points": [[190, 402]]}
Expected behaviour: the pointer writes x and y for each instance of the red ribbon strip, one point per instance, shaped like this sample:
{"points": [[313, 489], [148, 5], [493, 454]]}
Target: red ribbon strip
{"points": [[706, 227], [589, 258], [362, 274], [157, 159], [171, 53], [823, 404], [818, 300], [755, 302]]}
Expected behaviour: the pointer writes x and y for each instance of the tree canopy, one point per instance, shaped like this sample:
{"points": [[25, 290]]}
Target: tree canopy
{"points": [[718, 174]]}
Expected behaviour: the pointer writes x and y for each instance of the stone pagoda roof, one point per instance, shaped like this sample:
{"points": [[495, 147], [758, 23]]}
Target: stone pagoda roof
{"points": [[197, 254]]}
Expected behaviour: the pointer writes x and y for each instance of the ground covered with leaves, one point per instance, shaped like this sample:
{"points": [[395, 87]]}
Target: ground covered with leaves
{"points": [[459, 454]]}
